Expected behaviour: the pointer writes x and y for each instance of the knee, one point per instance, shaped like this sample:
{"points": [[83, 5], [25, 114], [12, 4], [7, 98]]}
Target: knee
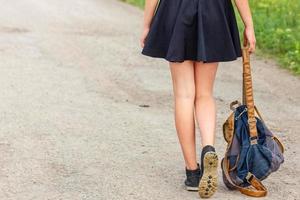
{"points": [[204, 96], [185, 95]]}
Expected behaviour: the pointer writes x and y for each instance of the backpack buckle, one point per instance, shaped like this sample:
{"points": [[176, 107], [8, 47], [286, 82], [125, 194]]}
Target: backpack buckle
{"points": [[249, 177], [253, 140]]}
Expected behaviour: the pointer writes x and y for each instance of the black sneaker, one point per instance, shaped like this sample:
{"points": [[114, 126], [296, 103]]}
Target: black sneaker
{"points": [[209, 172], [192, 179]]}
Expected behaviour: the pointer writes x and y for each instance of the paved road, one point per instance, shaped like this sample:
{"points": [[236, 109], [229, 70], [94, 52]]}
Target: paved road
{"points": [[72, 81]]}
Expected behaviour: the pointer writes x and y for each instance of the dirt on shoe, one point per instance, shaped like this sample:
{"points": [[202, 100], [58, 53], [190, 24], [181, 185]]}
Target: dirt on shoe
{"points": [[209, 181]]}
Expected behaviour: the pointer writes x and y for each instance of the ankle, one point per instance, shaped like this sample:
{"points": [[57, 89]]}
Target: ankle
{"points": [[192, 167], [207, 144]]}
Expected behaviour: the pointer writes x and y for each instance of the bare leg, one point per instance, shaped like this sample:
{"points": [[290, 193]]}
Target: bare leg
{"points": [[205, 107], [184, 96]]}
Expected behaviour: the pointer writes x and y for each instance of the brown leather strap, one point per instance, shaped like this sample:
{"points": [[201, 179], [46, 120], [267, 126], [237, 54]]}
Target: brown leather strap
{"points": [[248, 90], [258, 190]]}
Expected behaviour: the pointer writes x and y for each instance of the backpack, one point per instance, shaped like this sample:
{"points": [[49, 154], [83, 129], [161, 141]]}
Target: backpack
{"points": [[253, 152]]}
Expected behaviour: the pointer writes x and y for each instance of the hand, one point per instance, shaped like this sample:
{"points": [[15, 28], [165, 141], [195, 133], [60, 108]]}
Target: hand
{"points": [[143, 37], [250, 36]]}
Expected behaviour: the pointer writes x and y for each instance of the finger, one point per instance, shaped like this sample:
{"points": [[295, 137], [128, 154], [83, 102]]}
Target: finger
{"points": [[250, 50], [252, 47], [142, 43]]}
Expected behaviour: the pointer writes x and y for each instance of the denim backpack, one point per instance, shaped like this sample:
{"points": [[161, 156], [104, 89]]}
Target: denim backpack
{"points": [[253, 152]]}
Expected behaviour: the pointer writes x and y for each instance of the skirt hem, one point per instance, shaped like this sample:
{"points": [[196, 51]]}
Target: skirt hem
{"points": [[158, 54]]}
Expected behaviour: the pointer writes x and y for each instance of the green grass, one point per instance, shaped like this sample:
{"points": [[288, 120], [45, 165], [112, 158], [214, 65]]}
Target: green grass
{"points": [[277, 29], [139, 3]]}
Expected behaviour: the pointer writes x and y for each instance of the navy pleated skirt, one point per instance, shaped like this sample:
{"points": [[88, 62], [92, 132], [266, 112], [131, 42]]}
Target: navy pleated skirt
{"points": [[199, 30]]}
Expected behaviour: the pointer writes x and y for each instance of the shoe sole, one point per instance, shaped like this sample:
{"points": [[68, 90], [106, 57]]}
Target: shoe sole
{"points": [[193, 189], [208, 183]]}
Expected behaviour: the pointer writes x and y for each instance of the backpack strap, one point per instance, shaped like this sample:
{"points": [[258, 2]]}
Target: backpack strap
{"points": [[248, 91], [258, 190]]}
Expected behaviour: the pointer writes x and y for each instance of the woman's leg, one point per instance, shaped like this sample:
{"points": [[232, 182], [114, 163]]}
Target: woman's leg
{"points": [[184, 96], [205, 107], [205, 110]]}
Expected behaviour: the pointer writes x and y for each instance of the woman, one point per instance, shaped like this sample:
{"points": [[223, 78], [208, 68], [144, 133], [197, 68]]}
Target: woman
{"points": [[194, 36]]}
